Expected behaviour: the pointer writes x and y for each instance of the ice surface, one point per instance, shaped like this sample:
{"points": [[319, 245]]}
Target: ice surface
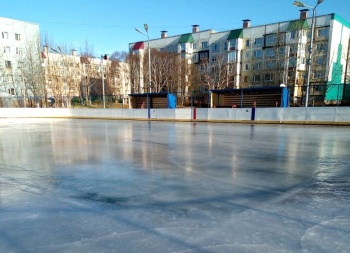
{"points": [[128, 186]]}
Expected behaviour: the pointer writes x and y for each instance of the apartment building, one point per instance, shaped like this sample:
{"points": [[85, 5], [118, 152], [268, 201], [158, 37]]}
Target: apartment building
{"points": [[270, 54], [69, 75], [17, 39]]}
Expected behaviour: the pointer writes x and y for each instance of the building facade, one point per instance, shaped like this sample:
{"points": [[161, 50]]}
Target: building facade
{"points": [[18, 39], [269, 55], [69, 76]]}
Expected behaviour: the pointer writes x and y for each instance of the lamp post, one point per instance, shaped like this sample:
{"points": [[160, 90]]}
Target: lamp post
{"points": [[59, 51], [149, 89], [103, 57], [300, 4]]}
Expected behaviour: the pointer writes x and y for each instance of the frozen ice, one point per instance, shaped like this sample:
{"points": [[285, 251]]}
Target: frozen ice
{"points": [[138, 186]]}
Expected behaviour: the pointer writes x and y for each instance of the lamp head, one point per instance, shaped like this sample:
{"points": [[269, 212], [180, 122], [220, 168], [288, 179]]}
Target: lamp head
{"points": [[300, 4], [319, 1], [146, 26]]}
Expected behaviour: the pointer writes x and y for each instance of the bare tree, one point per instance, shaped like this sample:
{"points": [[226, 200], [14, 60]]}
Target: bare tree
{"points": [[220, 74]]}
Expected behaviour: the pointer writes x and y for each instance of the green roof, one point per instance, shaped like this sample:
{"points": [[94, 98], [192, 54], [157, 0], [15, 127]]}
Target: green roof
{"points": [[186, 38], [340, 20], [297, 25], [235, 34]]}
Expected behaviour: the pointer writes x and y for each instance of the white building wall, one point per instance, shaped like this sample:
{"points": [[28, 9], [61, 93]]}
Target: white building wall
{"points": [[15, 35]]}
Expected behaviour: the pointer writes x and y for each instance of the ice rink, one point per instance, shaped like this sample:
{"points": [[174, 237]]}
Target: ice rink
{"points": [[134, 186]]}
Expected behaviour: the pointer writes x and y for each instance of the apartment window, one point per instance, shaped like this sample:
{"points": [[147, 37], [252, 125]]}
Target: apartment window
{"points": [[270, 64], [268, 77], [246, 67], [257, 53], [282, 50], [256, 78], [8, 64], [232, 56], [194, 57], [270, 39], [182, 46], [6, 50], [5, 35], [293, 34], [318, 75], [225, 46], [194, 45], [233, 43], [205, 44], [215, 47], [321, 46], [20, 65], [258, 42], [17, 36], [245, 79], [320, 60], [323, 32], [247, 43], [247, 54], [12, 91], [214, 58], [292, 62], [257, 66], [203, 56], [270, 52], [19, 51]]}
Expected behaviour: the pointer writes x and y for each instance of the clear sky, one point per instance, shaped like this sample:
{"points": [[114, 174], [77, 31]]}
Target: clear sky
{"points": [[109, 25]]}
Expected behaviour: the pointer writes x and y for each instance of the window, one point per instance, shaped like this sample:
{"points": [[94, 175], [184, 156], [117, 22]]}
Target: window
{"points": [[257, 66], [194, 57], [247, 54], [256, 78], [245, 79], [6, 50], [293, 34], [257, 53], [205, 44], [246, 67], [258, 42], [233, 43], [203, 55], [319, 60], [8, 64], [282, 50], [270, 64], [247, 43], [321, 47], [19, 51], [232, 56], [225, 46], [194, 45], [182, 46], [323, 32], [318, 75], [270, 52], [214, 58], [270, 39], [17, 36], [12, 91], [20, 65], [5, 35], [268, 77], [215, 47]]}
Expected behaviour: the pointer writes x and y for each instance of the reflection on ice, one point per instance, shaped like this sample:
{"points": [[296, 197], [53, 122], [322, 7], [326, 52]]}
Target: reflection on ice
{"points": [[124, 186]]}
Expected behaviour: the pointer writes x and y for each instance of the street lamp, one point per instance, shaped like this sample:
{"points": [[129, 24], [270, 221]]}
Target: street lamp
{"points": [[149, 56], [59, 51], [103, 57], [300, 4]]}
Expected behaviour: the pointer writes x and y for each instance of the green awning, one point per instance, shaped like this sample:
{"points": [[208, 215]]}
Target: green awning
{"points": [[186, 38], [298, 25], [235, 34]]}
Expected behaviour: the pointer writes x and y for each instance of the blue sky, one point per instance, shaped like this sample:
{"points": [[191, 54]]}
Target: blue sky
{"points": [[109, 25]]}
